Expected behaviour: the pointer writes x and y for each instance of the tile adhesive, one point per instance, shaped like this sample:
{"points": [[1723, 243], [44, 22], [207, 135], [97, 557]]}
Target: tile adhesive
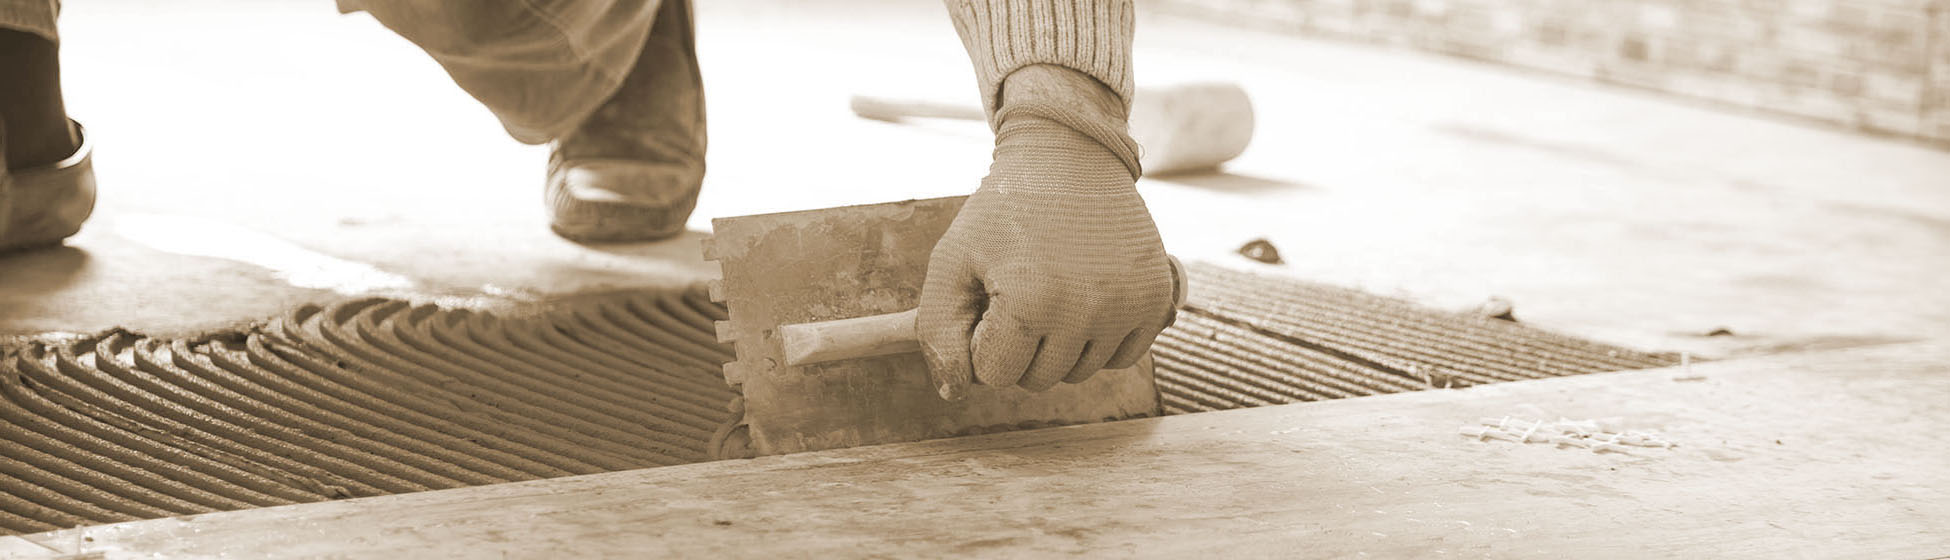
{"points": [[375, 396]]}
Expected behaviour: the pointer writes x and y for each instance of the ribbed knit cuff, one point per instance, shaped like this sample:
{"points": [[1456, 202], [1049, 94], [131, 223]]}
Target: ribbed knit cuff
{"points": [[1114, 139], [1089, 36]]}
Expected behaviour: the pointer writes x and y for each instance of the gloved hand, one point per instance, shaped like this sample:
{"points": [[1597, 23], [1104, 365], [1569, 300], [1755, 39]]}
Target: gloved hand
{"points": [[1054, 269]]}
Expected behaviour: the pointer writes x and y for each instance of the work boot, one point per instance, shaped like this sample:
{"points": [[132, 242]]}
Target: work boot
{"points": [[631, 172], [40, 206]]}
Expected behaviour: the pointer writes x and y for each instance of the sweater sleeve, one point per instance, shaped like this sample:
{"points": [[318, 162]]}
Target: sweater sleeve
{"points": [[1089, 36]]}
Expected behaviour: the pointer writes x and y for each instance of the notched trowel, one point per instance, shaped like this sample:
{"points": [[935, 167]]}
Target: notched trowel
{"points": [[821, 316]]}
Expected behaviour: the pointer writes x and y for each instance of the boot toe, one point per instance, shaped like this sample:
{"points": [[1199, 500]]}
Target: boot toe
{"points": [[612, 201], [48, 204]]}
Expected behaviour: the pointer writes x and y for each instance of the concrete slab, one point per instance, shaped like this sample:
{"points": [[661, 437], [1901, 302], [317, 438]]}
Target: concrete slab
{"points": [[1833, 454]]}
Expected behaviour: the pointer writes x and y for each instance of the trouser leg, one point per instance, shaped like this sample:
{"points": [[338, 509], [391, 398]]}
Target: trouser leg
{"points": [[47, 180], [32, 114], [541, 66], [32, 16]]}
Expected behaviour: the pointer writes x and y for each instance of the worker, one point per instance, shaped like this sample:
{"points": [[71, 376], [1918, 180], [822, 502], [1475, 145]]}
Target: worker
{"points": [[1052, 271]]}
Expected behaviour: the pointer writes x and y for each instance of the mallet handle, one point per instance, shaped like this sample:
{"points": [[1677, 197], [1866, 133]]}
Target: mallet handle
{"points": [[881, 335], [889, 109]]}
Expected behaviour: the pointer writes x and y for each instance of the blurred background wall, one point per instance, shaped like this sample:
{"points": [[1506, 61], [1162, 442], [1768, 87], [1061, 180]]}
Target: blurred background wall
{"points": [[1877, 66]]}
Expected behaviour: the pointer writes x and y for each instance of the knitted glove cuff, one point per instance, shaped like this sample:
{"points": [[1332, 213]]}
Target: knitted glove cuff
{"points": [[1089, 36], [1112, 134]]}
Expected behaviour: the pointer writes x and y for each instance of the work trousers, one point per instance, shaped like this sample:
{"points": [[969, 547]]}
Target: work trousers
{"points": [[541, 66]]}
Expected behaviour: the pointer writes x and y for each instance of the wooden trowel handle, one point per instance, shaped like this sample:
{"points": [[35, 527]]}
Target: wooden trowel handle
{"points": [[880, 335]]}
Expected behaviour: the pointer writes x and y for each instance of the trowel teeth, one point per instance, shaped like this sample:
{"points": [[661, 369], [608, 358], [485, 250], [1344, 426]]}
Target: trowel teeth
{"points": [[715, 289], [734, 373]]}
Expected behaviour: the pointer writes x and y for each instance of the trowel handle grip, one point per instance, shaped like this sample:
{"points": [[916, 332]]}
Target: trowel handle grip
{"points": [[892, 333]]}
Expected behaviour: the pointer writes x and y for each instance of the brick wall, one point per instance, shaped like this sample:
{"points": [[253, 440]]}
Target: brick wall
{"points": [[1881, 66]]}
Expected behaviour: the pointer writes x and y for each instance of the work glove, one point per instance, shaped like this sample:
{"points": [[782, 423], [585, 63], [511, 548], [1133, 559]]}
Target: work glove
{"points": [[1054, 269]]}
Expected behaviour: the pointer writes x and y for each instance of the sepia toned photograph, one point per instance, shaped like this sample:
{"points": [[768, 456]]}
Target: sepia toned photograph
{"points": [[1336, 279]]}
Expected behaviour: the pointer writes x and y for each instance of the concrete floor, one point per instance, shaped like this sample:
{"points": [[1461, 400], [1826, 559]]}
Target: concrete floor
{"points": [[254, 155]]}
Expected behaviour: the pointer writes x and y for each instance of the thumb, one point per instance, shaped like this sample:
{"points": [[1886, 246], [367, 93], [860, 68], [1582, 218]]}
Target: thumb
{"points": [[951, 303]]}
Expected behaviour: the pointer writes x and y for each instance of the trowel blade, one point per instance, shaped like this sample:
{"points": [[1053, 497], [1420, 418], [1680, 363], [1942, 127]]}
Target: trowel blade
{"points": [[854, 261]]}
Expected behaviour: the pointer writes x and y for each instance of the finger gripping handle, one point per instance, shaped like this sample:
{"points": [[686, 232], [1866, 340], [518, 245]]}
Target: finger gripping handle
{"points": [[892, 333]]}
